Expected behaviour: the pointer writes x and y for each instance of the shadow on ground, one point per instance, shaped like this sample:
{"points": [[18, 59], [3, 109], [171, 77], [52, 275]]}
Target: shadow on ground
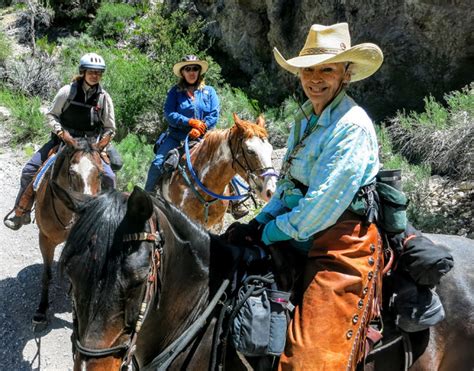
{"points": [[19, 299]]}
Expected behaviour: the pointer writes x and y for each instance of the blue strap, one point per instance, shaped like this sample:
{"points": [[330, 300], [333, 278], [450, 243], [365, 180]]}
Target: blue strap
{"points": [[198, 182], [43, 170]]}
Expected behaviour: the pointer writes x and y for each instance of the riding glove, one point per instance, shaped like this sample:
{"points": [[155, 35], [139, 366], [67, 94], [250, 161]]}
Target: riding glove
{"points": [[194, 133], [244, 234], [271, 234], [199, 125]]}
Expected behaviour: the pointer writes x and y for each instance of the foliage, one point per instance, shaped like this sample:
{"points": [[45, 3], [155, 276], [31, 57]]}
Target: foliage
{"points": [[111, 21], [234, 100], [31, 76], [5, 48], [45, 46], [27, 121], [442, 137], [137, 155], [279, 120]]}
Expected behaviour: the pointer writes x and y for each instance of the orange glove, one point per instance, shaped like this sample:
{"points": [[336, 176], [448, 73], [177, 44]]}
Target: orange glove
{"points": [[194, 133], [198, 124]]}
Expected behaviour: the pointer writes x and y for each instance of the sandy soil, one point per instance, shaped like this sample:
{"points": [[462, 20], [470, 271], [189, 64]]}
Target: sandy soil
{"points": [[22, 347]]}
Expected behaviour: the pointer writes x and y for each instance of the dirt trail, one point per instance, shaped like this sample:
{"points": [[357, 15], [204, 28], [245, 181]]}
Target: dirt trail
{"points": [[21, 348]]}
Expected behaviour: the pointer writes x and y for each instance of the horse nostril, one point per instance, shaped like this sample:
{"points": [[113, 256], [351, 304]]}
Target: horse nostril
{"points": [[269, 194]]}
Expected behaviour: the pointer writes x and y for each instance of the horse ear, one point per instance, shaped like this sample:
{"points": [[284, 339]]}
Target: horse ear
{"points": [[139, 206], [260, 121], [237, 121], [72, 200]]}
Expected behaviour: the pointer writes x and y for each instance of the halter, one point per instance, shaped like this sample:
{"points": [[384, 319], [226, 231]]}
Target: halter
{"points": [[152, 284]]}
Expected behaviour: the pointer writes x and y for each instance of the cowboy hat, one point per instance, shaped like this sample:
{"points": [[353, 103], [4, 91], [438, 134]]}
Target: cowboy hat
{"points": [[332, 44], [187, 61]]}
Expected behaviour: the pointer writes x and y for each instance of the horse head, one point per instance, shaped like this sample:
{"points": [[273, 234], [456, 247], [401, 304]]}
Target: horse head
{"points": [[111, 259], [79, 165], [252, 155], [139, 271]]}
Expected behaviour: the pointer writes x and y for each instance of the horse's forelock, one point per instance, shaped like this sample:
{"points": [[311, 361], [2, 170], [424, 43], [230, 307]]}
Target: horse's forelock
{"points": [[92, 238]]}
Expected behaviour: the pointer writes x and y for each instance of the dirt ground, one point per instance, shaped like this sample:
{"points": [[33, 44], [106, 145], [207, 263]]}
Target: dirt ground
{"points": [[21, 347]]}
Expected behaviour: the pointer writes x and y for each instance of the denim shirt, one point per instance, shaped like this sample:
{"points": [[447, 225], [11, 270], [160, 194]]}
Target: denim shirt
{"points": [[179, 108], [338, 157]]}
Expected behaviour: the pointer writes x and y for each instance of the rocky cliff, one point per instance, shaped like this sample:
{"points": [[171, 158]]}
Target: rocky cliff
{"points": [[428, 44]]}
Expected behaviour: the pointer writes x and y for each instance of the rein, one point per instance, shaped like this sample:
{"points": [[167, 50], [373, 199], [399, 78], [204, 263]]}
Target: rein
{"points": [[200, 184], [150, 292]]}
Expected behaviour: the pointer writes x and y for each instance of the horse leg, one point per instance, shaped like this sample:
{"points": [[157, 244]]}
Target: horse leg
{"points": [[47, 251]]}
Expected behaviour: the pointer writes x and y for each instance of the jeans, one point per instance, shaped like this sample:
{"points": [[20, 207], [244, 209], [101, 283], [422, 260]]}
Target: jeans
{"points": [[156, 167]]}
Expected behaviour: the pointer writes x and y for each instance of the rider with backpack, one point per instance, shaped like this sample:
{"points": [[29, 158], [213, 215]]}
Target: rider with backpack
{"points": [[80, 109]]}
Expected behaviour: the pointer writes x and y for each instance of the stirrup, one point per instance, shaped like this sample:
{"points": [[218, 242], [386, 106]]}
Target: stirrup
{"points": [[238, 210], [17, 221]]}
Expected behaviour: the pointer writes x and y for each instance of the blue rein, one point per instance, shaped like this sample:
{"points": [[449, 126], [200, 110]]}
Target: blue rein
{"points": [[235, 181]]}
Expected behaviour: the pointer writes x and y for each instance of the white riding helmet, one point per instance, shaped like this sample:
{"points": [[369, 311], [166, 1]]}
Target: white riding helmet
{"points": [[91, 61]]}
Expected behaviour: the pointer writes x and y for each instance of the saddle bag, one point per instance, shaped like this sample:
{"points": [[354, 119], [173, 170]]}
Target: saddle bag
{"points": [[416, 307], [260, 318]]}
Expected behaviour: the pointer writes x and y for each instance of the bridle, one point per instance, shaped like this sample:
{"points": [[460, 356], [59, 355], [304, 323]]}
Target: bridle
{"points": [[151, 289], [246, 167]]}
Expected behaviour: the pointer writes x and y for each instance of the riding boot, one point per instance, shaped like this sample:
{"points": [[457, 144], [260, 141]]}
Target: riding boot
{"points": [[21, 212], [238, 209], [342, 294]]}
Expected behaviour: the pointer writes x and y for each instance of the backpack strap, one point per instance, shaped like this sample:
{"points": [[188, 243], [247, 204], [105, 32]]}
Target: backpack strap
{"points": [[71, 96]]}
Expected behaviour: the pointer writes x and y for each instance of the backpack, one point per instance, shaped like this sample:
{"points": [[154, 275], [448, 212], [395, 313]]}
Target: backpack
{"points": [[98, 108]]}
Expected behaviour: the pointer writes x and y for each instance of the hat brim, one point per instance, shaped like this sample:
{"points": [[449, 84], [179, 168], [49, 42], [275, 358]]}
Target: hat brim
{"points": [[178, 66], [365, 58]]}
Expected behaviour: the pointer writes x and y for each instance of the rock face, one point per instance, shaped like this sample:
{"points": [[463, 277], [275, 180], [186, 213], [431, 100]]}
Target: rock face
{"points": [[428, 44]]}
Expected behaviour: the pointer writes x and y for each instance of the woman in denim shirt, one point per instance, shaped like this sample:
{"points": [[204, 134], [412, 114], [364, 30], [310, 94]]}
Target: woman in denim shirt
{"points": [[191, 108]]}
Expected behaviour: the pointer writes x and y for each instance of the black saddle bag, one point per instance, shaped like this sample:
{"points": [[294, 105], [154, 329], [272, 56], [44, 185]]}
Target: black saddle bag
{"points": [[260, 318]]}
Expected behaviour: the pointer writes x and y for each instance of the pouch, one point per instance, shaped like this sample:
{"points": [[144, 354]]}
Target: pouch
{"points": [[393, 208], [259, 328]]}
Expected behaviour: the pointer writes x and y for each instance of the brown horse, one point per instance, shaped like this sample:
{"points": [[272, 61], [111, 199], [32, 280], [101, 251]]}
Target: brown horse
{"points": [[145, 280], [143, 277], [78, 167], [242, 149]]}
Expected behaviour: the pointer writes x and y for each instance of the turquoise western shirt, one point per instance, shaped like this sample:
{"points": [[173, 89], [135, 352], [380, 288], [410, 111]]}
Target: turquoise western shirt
{"points": [[336, 158]]}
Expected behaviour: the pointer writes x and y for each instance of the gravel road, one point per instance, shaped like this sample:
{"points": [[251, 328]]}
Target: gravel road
{"points": [[21, 347]]}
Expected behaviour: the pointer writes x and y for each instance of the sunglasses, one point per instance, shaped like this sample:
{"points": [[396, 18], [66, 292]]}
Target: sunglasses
{"points": [[95, 72], [192, 69]]}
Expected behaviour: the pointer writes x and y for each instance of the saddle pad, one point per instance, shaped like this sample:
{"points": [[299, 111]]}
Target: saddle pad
{"points": [[42, 171]]}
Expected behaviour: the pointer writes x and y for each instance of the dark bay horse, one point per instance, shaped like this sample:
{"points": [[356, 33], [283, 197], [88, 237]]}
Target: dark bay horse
{"points": [[78, 167], [242, 149], [143, 274]]}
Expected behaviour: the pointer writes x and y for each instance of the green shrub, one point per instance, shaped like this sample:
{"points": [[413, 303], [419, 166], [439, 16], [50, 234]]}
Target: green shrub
{"points": [[5, 48], [442, 137], [234, 100], [28, 124], [137, 156], [44, 45], [111, 21]]}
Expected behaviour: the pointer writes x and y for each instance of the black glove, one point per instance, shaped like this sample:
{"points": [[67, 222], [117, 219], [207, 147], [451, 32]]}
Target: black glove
{"points": [[244, 234]]}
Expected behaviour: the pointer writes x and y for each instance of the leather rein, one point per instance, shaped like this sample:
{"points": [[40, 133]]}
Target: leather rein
{"points": [[152, 284]]}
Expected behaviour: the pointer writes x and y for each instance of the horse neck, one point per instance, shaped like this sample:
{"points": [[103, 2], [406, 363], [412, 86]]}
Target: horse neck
{"points": [[213, 161], [185, 293]]}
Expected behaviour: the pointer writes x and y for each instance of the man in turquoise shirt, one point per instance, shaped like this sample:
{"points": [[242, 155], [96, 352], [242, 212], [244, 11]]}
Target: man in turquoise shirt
{"points": [[332, 154]]}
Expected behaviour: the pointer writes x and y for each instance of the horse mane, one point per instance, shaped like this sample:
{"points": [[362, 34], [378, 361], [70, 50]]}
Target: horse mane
{"points": [[95, 243], [92, 244], [214, 138]]}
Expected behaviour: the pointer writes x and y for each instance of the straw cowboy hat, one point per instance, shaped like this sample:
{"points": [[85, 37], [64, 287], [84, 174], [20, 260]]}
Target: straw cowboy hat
{"points": [[187, 61], [332, 44]]}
